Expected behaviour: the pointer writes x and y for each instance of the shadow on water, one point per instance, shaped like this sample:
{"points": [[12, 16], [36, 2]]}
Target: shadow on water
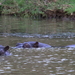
{"points": [[42, 61]]}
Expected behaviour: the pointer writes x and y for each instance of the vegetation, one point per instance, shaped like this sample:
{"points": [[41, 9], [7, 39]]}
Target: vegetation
{"points": [[34, 8]]}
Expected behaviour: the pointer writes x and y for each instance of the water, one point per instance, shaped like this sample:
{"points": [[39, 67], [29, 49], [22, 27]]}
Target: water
{"points": [[21, 25], [40, 61]]}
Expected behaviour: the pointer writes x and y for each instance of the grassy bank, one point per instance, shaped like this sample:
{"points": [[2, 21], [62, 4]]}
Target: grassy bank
{"points": [[36, 8]]}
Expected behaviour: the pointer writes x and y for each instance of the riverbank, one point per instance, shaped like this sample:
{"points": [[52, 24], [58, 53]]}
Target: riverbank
{"points": [[39, 9]]}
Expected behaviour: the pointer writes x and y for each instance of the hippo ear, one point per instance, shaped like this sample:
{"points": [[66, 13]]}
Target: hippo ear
{"points": [[6, 48], [35, 45]]}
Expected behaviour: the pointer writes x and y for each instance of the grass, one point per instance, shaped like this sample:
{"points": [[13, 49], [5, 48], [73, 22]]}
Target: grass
{"points": [[35, 7]]}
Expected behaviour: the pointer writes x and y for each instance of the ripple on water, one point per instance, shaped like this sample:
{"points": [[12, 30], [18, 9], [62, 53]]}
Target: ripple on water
{"points": [[56, 35], [40, 61]]}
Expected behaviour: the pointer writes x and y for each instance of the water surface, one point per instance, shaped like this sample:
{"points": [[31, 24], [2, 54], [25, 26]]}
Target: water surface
{"points": [[51, 61], [32, 26], [37, 61]]}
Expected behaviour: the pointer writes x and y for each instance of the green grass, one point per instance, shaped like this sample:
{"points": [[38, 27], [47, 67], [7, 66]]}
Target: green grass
{"points": [[33, 7], [71, 9]]}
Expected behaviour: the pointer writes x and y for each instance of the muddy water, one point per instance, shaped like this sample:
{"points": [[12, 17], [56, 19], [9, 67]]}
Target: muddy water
{"points": [[40, 61], [50, 61]]}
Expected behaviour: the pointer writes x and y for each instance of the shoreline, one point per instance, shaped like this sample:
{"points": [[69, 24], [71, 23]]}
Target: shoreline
{"points": [[55, 10], [49, 14]]}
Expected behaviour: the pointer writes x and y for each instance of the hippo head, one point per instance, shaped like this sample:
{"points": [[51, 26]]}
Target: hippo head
{"points": [[26, 45], [36, 45], [4, 50]]}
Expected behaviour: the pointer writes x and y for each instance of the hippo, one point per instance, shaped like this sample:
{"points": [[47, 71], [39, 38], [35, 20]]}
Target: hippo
{"points": [[72, 46], [32, 44], [4, 51]]}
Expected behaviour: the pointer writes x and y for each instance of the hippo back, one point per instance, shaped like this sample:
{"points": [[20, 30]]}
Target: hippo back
{"points": [[72, 46], [44, 45], [19, 45]]}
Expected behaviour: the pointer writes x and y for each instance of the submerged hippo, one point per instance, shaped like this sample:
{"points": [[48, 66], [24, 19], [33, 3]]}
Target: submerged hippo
{"points": [[4, 51], [32, 44], [72, 46]]}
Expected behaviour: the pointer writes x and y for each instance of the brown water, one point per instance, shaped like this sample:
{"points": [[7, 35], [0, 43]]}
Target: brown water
{"points": [[40, 61]]}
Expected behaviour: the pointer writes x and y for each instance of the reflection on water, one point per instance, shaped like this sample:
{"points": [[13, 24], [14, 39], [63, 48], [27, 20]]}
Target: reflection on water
{"points": [[50, 61], [40, 61], [22, 25]]}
